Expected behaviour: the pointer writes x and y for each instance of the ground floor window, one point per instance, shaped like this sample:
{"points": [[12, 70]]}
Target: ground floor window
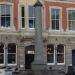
{"points": [[8, 56], [50, 53], [11, 53], [60, 54], [1, 53], [55, 54]]}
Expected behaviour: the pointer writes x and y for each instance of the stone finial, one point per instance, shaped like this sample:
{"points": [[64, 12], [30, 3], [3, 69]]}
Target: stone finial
{"points": [[38, 3]]}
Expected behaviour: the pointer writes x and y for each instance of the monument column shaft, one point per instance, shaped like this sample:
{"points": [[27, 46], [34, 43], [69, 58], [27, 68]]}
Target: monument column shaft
{"points": [[39, 47], [40, 52]]}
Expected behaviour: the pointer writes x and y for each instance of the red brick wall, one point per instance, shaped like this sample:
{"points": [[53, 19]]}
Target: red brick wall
{"points": [[15, 13], [64, 13]]}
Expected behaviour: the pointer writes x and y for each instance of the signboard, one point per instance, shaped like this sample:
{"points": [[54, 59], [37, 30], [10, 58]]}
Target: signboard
{"points": [[30, 52]]}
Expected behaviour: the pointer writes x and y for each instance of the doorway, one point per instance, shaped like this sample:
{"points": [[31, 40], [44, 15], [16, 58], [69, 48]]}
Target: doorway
{"points": [[29, 60], [29, 56], [73, 57]]}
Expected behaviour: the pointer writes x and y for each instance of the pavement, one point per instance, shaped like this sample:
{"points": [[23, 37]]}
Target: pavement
{"points": [[45, 72]]}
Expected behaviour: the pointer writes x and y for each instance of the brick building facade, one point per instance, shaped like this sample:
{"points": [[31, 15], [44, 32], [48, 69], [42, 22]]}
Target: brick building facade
{"points": [[17, 29]]}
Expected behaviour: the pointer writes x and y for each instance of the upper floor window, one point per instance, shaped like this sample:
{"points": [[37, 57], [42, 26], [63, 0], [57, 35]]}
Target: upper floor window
{"points": [[22, 17], [55, 19], [5, 15], [31, 17], [71, 19]]}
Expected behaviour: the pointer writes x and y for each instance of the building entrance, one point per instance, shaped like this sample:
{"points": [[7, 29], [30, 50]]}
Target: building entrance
{"points": [[29, 56], [29, 60]]}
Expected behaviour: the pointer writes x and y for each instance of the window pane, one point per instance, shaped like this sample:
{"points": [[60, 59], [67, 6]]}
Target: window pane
{"points": [[60, 49], [73, 25], [53, 24], [34, 23], [52, 14], [50, 48], [1, 58], [22, 12], [11, 58], [69, 16], [60, 58], [57, 24], [3, 21], [2, 10], [31, 23], [7, 23], [70, 23], [73, 15], [1, 48], [50, 53], [50, 58], [57, 14], [11, 48], [31, 11], [7, 10], [23, 22]]}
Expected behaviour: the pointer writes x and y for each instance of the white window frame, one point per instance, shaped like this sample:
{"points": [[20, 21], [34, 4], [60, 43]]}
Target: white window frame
{"points": [[20, 17], [30, 17], [11, 19], [16, 57], [67, 10], [4, 56], [54, 57], [64, 57], [60, 20]]}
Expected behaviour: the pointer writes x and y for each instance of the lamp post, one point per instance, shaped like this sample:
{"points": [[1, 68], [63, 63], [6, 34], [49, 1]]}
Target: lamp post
{"points": [[40, 53]]}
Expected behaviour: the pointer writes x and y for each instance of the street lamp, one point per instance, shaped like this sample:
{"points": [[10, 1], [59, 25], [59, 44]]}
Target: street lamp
{"points": [[40, 53]]}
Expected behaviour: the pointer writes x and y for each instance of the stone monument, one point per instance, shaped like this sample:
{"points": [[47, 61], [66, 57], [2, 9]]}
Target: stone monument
{"points": [[40, 53]]}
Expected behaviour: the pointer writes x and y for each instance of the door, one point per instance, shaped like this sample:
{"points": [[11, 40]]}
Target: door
{"points": [[73, 57], [29, 56]]}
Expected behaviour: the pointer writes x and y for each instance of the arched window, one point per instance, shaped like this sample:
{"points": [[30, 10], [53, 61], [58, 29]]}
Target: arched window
{"points": [[50, 53], [11, 53], [60, 54], [1, 53]]}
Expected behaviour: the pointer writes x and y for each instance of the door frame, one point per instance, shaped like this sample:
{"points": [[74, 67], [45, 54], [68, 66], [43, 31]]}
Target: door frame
{"points": [[29, 50]]}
